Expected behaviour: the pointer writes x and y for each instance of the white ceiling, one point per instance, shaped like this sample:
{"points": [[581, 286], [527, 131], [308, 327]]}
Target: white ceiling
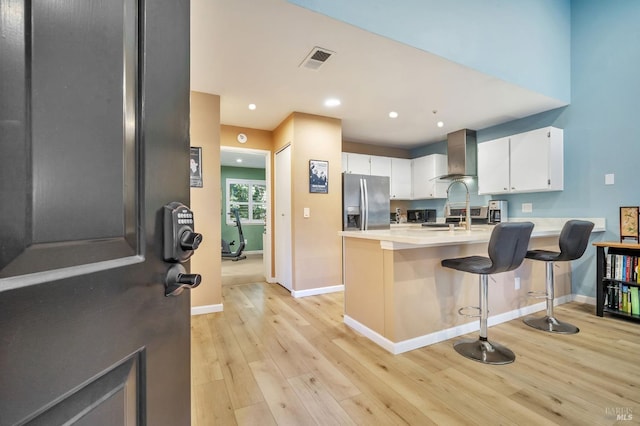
{"points": [[249, 51]]}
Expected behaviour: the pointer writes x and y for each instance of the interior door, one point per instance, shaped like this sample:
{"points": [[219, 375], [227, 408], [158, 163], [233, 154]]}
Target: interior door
{"points": [[282, 232], [94, 122]]}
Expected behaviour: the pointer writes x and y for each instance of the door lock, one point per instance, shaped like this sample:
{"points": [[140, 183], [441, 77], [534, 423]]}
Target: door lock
{"points": [[180, 238], [177, 280]]}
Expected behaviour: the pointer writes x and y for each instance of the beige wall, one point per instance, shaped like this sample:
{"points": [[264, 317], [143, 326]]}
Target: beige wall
{"points": [[316, 246], [256, 139], [205, 201]]}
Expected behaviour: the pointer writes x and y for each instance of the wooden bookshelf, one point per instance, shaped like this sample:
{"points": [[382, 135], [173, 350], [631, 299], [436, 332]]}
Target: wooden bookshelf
{"points": [[605, 280]]}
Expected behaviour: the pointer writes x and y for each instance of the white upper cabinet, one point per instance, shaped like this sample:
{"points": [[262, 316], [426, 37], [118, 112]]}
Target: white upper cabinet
{"points": [[401, 179], [380, 166], [345, 162], [493, 167], [527, 162], [357, 163], [426, 170]]}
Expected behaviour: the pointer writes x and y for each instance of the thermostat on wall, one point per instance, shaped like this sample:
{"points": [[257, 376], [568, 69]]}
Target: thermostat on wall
{"points": [[242, 138]]}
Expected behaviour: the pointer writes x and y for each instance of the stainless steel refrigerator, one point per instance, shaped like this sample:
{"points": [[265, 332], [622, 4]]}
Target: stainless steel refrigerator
{"points": [[365, 202]]}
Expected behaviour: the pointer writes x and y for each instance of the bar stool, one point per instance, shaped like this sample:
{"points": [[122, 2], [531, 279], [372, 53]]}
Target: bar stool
{"points": [[573, 241], [507, 247]]}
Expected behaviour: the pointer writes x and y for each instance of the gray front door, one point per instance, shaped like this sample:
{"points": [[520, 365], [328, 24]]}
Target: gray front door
{"points": [[94, 122]]}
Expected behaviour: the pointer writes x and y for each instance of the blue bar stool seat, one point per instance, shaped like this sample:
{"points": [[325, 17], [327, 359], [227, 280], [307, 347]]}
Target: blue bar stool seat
{"points": [[573, 241], [507, 247]]}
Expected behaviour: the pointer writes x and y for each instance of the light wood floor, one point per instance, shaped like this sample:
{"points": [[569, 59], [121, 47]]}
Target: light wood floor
{"points": [[271, 359], [243, 271]]}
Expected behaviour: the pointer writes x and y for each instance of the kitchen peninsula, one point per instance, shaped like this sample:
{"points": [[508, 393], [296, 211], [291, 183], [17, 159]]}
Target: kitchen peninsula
{"points": [[398, 295]]}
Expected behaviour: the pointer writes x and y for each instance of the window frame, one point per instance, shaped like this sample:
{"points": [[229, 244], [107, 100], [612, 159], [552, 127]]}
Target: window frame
{"points": [[229, 220]]}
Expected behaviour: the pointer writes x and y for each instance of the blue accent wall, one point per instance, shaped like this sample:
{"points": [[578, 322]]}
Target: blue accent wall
{"points": [[524, 42]]}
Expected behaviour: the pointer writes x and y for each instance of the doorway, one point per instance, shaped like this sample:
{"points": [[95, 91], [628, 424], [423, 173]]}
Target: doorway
{"points": [[250, 169]]}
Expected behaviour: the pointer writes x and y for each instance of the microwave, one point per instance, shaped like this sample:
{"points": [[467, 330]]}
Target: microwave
{"points": [[421, 215]]}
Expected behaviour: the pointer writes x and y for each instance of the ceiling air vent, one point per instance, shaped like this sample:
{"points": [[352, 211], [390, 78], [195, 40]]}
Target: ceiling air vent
{"points": [[316, 58]]}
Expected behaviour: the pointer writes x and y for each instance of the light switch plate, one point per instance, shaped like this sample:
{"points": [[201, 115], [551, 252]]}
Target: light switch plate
{"points": [[609, 179], [307, 212], [527, 207]]}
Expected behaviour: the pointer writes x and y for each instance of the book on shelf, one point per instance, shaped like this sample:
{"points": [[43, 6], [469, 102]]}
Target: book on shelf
{"points": [[622, 297], [622, 267], [635, 303]]}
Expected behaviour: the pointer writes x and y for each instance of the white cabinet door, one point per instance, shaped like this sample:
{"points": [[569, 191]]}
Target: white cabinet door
{"points": [[493, 167], [380, 166], [401, 179], [426, 170], [345, 162], [527, 162], [358, 164], [537, 161]]}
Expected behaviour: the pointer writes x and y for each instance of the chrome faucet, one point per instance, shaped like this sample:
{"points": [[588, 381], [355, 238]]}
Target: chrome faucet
{"points": [[467, 222]]}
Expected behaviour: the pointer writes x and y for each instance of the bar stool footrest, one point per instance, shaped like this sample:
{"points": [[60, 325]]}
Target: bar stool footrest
{"points": [[483, 351], [537, 294], [551, 324], [474, 308]]}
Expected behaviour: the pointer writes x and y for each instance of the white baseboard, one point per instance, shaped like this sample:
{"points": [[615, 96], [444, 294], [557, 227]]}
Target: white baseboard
{"points": [[440, 336], [206, 309], [584, 299], [316, 291]]}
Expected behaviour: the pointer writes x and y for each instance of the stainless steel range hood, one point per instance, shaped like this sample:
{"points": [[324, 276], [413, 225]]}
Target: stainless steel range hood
{"points": [[462, 155]]}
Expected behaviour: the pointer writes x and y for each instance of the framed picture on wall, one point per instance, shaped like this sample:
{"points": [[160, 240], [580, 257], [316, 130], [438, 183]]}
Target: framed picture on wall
{"points": [[195, 166], [318, 176], [629, 224]]}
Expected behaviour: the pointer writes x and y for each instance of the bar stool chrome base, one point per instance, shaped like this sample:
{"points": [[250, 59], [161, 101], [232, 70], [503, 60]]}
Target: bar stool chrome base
{"points": [[551, 324], [483, 351]]}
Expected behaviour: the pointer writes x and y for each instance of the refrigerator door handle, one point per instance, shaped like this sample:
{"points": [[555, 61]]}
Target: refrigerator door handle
{"points": [[362, 213], [366, 205]]}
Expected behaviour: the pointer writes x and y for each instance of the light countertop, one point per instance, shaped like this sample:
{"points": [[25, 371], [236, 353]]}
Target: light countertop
{"points": [[407, 236]]}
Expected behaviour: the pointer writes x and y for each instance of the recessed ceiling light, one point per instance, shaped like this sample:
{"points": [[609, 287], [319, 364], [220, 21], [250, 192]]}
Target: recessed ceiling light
{"points": [[332, 102], [393, 114], [440, 124], [238, 160], [252, 106]]}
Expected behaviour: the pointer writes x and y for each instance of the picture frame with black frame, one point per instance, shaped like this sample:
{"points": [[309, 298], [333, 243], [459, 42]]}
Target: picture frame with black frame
{"points": [[195, 166], [318, 176], [629, 218]]}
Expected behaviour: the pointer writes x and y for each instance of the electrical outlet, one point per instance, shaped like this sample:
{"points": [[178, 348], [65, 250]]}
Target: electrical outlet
{"points": [[527, 207], [517, 283]]}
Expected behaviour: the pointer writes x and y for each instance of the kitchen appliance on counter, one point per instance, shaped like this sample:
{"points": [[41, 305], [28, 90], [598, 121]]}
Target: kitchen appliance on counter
{"points": [[498, 211], [365, 202], [421, 215], [479, 214]]}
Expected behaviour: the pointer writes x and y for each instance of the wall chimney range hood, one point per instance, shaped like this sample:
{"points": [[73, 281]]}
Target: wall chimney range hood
{"points": [[462, 155]]}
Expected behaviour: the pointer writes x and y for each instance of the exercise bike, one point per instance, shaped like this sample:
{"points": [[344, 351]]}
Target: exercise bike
{"points": [[226, 246]]}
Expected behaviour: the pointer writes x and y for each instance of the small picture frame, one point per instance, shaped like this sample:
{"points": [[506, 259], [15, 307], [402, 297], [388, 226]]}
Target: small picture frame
{"points": [[629, 224], [318, 176], [195, 166]]}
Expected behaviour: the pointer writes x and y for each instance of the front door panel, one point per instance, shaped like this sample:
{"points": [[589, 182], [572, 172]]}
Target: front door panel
{"points": [[93, 143]]}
